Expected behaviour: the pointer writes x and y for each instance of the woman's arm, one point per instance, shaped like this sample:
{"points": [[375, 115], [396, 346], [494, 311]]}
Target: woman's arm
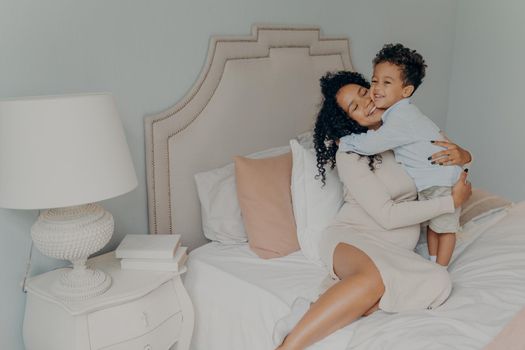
{"points": [[372, 195]]}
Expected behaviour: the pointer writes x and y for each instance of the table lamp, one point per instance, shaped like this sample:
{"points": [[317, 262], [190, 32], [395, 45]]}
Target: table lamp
{"points": [[62, 154]]}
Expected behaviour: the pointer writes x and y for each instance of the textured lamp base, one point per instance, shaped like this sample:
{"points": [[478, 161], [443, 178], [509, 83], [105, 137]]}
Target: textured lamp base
{"points": [[81, 284], [73, 234]]}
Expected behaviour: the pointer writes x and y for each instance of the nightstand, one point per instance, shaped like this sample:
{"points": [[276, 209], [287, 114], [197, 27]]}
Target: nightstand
{"points": [[142, 310]]}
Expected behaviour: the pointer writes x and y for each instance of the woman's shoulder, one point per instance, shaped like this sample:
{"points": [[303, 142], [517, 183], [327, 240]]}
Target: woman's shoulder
{"points": [[354, 157], [347, 156], [353, 165]]}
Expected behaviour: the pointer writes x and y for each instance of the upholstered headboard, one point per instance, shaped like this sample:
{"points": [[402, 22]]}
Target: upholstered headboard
{"points": [[254, 92]]}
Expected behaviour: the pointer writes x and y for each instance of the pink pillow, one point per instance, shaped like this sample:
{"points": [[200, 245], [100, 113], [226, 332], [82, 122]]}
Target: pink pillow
{"points": [[263, 190]]}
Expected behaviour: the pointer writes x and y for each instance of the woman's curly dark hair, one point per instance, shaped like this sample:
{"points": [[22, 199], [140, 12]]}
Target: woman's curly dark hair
{"points": [[410, 62], [332, 121]]}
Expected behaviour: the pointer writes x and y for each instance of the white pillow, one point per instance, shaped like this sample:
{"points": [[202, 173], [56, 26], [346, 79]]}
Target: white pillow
{"points": [[314, 206], [306, 139], [220, 211]]}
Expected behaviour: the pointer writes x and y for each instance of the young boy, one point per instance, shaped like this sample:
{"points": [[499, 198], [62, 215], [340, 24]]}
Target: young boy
{"points": [[398, 72]]}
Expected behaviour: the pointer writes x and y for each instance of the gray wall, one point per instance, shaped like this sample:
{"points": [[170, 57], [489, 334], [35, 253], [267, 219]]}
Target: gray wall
{"points": [[149, 53], [487, 92]]}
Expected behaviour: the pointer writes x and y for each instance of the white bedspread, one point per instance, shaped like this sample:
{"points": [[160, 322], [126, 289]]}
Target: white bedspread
{"points": [[238, 297]]}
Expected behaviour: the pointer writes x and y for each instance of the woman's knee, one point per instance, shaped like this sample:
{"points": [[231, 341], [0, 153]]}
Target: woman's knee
{"points": [[365, 286], [373, 282]]}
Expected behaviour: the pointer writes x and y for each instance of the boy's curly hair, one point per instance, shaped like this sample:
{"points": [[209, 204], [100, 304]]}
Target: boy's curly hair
{"points": [[410, 62]]}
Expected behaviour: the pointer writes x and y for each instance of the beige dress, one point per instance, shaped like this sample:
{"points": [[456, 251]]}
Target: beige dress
{"points": [[381, 217]]}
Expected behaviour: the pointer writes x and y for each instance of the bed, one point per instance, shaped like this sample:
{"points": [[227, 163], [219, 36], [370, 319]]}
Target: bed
{"points": [[255, 93]]}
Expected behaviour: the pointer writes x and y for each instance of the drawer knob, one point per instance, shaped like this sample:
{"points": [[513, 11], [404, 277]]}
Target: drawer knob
{"points": [[147, 347]]}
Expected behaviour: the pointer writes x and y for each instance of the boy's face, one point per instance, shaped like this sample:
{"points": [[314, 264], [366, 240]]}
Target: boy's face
{"points": [[387, 85]]}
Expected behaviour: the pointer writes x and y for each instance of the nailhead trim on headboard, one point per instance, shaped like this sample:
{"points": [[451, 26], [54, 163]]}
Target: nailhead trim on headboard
{"points": [[160, 128]]}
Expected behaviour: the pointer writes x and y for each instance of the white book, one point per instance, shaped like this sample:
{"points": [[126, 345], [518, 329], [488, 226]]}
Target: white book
{"points": [[148, 246], [173, 264]]}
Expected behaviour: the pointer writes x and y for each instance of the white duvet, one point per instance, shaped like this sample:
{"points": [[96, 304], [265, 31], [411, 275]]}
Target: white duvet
{"points": [[238, 297]]}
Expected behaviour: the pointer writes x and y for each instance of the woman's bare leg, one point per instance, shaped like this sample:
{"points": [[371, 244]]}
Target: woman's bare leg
{"points": [[359, 290], [373, 309]]}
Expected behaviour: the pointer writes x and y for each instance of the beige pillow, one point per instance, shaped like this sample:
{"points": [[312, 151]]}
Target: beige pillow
{"points": [[479, 203], [263, 190]]}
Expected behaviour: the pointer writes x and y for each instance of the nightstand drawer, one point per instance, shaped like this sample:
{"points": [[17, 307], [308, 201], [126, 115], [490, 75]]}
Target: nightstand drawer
{"points": [[160, 338], [134, 319]]}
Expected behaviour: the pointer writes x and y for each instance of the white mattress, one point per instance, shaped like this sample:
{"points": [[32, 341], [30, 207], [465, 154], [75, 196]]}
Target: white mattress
{"points": [[238, 297]]}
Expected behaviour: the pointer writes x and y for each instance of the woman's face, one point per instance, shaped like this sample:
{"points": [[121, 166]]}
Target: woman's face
{"points": [[356, 102]]}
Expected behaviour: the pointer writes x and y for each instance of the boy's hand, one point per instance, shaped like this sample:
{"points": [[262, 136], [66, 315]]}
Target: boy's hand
{"points": [[452, 155]]}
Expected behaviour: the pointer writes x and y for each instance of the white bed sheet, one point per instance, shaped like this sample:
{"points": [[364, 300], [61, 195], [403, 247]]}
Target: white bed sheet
{"points": [[238, 297]]}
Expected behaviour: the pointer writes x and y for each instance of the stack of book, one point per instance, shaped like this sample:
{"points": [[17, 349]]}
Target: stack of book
{"points": [[151, 252]]}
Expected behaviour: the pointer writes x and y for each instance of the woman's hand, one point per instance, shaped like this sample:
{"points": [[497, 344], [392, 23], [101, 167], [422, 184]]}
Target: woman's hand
{"points": [[462, 190], [451, 155]]}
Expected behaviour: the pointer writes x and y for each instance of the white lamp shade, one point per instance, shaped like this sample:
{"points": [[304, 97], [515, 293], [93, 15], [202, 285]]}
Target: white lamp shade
{"points": [[60, 151]]}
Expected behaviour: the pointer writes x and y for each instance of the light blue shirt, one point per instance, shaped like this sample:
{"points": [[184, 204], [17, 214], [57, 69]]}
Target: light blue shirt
{"points": [[407, 132]]}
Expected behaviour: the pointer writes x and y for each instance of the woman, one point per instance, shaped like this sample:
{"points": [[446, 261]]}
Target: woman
{"points": [[369, 246]]}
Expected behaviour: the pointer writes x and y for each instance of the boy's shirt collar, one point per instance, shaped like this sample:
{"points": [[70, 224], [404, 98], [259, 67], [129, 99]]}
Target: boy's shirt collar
{"points": [[402, 102]]}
